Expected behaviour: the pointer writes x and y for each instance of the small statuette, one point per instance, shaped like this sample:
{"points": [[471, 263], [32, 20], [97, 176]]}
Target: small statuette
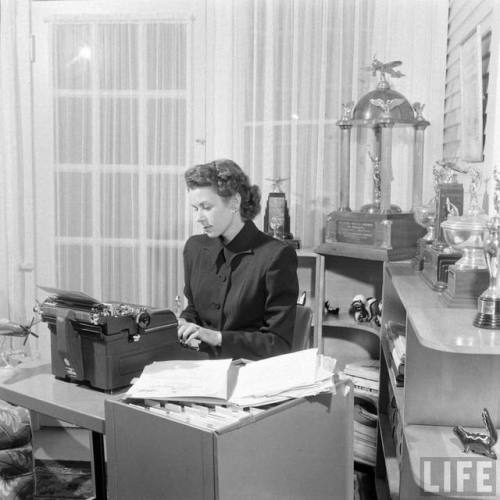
{"points": [[347, 108], [329, 309], [386, 106], [384, 68], [478, 442], [419, 109], [488, 315], [358, 309]]}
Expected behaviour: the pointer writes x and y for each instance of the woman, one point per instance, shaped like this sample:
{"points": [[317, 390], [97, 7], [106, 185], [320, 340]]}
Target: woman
{"points": [[240, 283]]}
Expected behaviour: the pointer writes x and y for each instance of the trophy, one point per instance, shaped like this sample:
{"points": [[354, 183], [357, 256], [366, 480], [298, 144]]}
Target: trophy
{"points": [[466, 234], [277, 217], [379, 227], [438, 256], [488, 303]]}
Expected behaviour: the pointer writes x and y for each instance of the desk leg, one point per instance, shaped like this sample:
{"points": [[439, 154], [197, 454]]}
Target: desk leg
{"points": [[98, 465]]}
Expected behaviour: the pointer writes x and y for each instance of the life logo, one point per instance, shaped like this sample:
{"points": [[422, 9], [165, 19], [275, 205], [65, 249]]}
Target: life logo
{"points": [[459, 477]]}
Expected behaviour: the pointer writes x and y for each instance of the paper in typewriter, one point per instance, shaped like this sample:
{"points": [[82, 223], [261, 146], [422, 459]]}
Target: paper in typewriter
{"points": [[298, 374]]}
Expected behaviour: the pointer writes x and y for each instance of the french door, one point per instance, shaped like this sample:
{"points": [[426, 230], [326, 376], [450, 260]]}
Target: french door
{"points": [[118, 116]]}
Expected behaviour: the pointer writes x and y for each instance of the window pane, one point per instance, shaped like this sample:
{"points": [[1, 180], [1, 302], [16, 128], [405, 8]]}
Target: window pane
{"points": [[119, 119], [165, 276], [117, 53], [74, 204], [120, 272], [165, 206], [73, 56], [166, 56], [73, 130], [74, 268], [166, 132], [119, 205]]}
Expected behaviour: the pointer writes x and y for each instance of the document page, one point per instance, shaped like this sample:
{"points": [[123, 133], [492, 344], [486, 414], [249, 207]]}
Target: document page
{"points": [[290, 375], [182, 378]]}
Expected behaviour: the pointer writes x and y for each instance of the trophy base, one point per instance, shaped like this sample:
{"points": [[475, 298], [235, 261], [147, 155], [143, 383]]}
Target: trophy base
{"points": [[393, 235], [488, 315], [464, 287], [435, 270]]}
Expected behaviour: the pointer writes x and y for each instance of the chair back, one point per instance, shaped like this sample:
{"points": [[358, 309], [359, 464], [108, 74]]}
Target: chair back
{"points": [[302, 328]]}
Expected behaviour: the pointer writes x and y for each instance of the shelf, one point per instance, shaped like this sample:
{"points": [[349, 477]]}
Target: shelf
{"points": [[354, 251], [432, 441], [307, 253], [345, 320], [439, 327], [391, 461]]}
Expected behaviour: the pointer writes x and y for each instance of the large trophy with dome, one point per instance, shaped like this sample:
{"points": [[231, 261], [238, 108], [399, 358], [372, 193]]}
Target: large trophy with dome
{"points": [[380, 226]]}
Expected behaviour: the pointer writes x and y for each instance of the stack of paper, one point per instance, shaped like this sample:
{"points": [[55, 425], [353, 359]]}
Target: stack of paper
{"points": [[298, 374]]}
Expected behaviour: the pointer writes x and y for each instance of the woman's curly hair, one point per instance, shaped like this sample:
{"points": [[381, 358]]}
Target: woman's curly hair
{"points": [[227, 178]]}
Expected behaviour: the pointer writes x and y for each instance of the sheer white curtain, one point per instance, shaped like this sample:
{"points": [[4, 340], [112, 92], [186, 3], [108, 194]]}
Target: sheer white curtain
{"points": [[299, 62], [122, 105], [16, 244]]}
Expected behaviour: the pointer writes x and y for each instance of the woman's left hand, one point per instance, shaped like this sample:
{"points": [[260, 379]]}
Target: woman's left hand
{"points": [[192, 335]]}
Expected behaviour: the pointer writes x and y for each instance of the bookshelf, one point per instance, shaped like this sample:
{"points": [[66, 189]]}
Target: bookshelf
{"points": [[451, 374], [349, 272], [352, 270]]}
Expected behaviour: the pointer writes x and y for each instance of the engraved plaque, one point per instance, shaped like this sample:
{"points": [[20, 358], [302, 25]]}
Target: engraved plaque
{"points": [[351, 231]]}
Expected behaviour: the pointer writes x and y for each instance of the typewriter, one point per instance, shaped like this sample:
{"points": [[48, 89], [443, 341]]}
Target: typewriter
{"points": [[105, 345]]}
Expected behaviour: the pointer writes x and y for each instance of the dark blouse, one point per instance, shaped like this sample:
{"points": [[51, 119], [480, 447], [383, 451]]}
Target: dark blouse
{"points": [[247, 290]]}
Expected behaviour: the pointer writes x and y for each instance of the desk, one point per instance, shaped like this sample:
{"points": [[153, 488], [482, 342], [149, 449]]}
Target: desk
{"points": [[34, 387]]}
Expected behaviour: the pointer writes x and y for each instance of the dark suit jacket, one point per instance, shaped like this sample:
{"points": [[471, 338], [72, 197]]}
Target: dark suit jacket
{"points": [[247, 290]]}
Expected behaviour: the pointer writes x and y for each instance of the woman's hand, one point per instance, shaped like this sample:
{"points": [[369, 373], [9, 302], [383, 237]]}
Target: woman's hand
{"points": [[192, 335]]}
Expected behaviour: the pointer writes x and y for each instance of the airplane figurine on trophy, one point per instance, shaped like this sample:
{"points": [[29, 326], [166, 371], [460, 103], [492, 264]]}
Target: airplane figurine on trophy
{"points": [[277, 217]]}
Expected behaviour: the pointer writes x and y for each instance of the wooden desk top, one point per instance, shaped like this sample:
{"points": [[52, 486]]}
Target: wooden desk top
{"points": [[33, 386]]}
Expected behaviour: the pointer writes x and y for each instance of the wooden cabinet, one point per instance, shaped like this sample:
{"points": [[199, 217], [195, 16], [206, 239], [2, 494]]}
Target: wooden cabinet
{"points": [[451, 373]]}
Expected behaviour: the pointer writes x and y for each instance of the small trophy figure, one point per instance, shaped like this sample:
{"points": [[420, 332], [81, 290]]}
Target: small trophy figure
{"points": [[419, 109], [488, 315], [374, 208]]}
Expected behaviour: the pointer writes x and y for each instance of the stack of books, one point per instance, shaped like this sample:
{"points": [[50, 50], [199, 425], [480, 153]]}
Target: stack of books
{"points": [[365, 431], [396, 339], [365, 377]]}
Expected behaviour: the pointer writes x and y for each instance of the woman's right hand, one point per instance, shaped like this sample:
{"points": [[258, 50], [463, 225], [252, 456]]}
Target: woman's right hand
{"points": [[185, 332]]}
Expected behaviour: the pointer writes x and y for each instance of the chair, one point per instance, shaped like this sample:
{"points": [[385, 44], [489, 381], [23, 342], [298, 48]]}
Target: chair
{"points": [[302, 328]]}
